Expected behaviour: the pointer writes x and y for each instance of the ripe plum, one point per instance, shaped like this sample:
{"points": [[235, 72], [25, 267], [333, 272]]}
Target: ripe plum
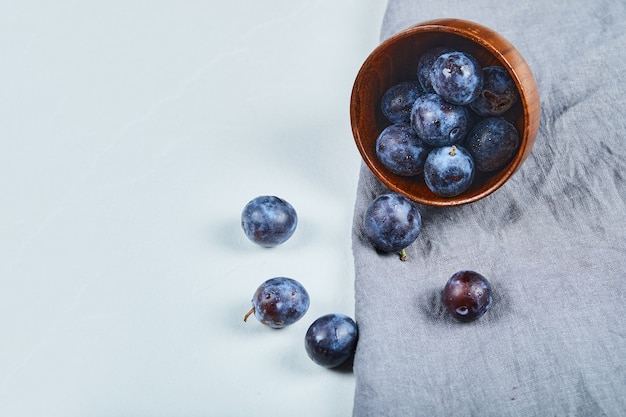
{"points": [[467, 295], [397, 101], [449, 170], [492, 142], [438, 122], [457, 77], [401, 150], [392, 222], [498, 94], [331, 340], [425, 64], [268, 220], [279, 302]]}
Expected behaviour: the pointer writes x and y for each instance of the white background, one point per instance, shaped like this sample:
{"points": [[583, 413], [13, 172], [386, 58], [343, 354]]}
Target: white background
{"points": [[132, 135]]}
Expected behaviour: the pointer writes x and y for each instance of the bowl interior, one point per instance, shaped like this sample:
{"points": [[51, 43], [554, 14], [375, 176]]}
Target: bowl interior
{"points": [[395, 60]]}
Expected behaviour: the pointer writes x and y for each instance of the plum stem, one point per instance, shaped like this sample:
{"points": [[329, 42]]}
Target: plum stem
{"points": [[403, 256], [248, 314], [453, 150]]}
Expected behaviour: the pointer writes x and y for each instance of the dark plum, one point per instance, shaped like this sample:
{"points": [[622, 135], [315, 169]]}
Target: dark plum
{"points": [[279, 302], [457, 77], [467, 295], [331, 340], [424, 66], [391, 223], [269, 221], [492, 142], [401, 150], [498, 94], [449, 170], [437, 122], [397, 101]]}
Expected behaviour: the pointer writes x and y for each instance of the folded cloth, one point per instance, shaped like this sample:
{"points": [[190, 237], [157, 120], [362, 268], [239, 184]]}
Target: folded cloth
{"points": [[552, 242]]}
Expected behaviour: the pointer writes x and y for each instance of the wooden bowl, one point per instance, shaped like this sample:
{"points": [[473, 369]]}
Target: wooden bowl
{"points": [[395, 60]]}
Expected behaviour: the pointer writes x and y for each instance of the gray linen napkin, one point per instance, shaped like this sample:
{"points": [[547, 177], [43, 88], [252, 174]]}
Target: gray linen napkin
{"points": [[552, 242]]}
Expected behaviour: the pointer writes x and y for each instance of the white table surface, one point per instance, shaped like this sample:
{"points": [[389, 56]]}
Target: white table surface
{"points": [[133, 134]]}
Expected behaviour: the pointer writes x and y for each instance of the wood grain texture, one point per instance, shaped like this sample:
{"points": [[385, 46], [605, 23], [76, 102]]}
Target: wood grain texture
{"points": [[395, 60]]}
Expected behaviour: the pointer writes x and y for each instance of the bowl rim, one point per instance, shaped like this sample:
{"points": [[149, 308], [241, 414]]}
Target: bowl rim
{"points": [[509, 58]]}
